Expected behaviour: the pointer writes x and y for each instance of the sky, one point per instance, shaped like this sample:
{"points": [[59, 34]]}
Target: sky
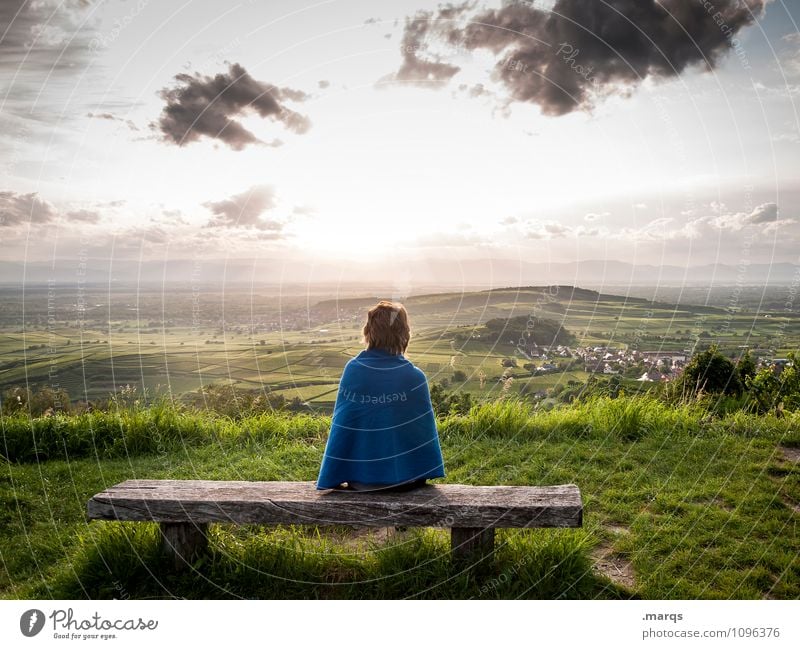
{"points": [[644, 132]]}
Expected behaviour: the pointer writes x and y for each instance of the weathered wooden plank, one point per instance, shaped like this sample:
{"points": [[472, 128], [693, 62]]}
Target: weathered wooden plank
{"points": [[471, 544], [184, 542], [204, 501]]}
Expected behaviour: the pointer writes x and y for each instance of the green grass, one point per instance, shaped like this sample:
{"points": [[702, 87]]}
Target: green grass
{"points": [[699, 506]]}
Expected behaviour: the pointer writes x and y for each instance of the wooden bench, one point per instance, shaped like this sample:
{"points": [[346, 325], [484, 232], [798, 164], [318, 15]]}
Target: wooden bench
{"points": [[184, 508]]}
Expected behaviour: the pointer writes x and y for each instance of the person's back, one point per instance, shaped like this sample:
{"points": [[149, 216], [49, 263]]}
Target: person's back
{"points": [[383, 431]]}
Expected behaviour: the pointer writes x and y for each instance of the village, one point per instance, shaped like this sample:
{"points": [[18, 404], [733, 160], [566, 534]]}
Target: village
{"points": [[645, 366]]}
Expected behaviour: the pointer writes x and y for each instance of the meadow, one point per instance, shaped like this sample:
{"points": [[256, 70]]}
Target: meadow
{"points": [[679, 503]]}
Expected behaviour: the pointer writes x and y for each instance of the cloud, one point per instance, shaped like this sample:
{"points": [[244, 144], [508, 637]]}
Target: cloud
{"points": [[595, 216], [792, 136], [244, 210], [323, 83], [765, 214], [655, 230], [721, 222], [556, 229], [41, 42], [474, 91], [546, 230], [429, 71], [113, 118], [16, 209], [566, 58], [304, 210], [84, 216], [790, 60], [202, 106], [170, 216]]}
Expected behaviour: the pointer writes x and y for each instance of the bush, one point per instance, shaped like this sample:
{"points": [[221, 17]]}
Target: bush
{"points": [[39, 402], [445, 403], [238, 403], [780, 392]]}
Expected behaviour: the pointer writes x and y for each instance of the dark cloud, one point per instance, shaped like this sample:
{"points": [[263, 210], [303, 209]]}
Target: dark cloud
{"points": [[16, 209], [244, 210], [202, 106], [564, 58]]}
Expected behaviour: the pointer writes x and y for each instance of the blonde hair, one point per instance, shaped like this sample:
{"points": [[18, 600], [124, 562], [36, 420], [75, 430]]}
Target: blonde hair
{"points": [[387, 327]]}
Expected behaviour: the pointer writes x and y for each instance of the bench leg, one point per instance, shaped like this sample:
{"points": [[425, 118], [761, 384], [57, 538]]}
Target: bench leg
{"points": [[184, 542], [471, 543]]}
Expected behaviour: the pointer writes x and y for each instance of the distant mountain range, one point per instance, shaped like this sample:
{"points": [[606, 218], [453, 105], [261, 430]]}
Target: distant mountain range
{"points": [[415, 275]]}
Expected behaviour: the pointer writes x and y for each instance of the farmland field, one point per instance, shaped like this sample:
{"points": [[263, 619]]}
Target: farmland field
{"points": [[92, 342]]}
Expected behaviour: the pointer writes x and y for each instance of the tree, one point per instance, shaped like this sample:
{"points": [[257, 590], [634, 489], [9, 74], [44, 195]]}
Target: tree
{"points": [[524, 331], [746, 368], [710, 371]]}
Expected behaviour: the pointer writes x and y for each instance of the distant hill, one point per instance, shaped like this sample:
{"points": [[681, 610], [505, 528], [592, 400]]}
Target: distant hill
{"points": [[499, 302]]}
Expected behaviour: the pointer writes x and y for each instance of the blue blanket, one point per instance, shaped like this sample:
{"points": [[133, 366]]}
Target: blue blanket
{"points": [[383, 429]]}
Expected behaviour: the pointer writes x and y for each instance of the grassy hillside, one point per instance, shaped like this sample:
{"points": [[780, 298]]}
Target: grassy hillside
{"points": [[679, 504]]}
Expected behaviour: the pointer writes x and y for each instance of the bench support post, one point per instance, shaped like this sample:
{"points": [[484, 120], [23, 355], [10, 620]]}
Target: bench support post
{"points": [[184, 542], [471, 543]]}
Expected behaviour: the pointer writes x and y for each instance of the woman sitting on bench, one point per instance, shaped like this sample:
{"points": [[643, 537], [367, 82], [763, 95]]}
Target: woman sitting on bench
{"points": [[383, 432]]}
